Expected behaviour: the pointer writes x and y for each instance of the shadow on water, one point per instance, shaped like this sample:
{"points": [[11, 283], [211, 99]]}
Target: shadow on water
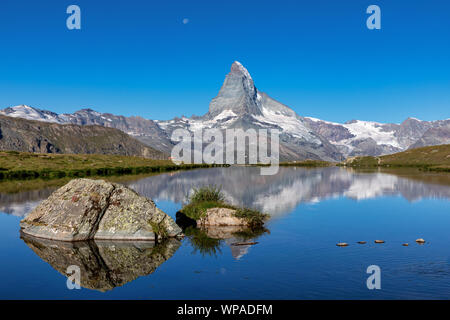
{"points": [[208, 240], [104, 265]]}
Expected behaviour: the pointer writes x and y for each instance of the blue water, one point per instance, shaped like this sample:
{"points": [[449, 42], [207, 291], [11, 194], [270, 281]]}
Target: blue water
{"points": [[312, 210]]}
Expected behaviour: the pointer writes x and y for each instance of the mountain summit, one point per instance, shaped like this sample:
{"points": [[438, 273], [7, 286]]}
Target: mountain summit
{"points": [[240, 105], [237, 95]]}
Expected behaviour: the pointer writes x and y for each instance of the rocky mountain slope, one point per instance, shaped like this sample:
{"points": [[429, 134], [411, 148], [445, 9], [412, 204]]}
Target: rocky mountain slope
{"points": [[239, 104], [36, 136], [433, 137], [144, 130]]}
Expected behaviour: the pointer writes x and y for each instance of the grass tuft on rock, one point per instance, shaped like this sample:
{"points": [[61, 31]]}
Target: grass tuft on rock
{"points": [[254, 218], [159, 230], [208, 197], [210, 193]]}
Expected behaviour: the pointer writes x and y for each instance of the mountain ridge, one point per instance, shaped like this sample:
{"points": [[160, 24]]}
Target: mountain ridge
{"points": [[239, 104], [17, 134]]}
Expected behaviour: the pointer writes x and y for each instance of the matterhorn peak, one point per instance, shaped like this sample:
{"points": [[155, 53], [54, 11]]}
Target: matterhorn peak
{"points": [[237, 67], [238, 94]]}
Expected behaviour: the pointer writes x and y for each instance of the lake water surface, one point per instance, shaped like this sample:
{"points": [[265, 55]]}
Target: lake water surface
{"points": [[297, 258]]}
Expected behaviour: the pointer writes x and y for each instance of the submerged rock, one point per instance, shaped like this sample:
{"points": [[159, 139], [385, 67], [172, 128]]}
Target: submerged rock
{"points": [[103, 264], [342, 244], [87, 209], [237, 244]]}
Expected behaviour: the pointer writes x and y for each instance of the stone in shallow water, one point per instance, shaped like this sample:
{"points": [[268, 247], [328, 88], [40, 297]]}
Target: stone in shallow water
{"points": [[221, 217], [87, 209], [342, 244]]}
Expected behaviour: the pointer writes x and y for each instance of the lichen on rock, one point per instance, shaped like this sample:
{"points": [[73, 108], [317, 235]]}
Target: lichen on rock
{"points": [[87, 209]]}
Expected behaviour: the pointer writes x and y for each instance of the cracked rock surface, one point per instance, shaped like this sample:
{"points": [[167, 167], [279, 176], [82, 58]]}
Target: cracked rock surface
{"points": [[87, 209]]}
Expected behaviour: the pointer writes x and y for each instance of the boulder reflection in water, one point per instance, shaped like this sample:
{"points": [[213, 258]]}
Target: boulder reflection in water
{"points": [[104, 265]]}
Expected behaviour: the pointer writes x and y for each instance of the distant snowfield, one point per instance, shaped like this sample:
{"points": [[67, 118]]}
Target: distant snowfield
{"points": [[364, 130], [30, 113]]}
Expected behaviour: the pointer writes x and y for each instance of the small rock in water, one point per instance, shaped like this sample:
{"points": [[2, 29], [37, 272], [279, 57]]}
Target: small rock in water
{"points": [[379, 241], [405, 244], [221, 217], [244, 243], [420, 241], [342, 244], [362, 242]]}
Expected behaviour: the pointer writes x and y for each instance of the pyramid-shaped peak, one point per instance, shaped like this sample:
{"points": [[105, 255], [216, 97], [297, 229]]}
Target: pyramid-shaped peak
{"points": [[237, 67]]}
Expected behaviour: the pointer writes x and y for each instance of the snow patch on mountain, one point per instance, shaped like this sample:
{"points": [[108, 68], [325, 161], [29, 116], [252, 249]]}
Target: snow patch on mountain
{"points": [[361, 130], [374, 130], [289, 124], [30, 113], [225, 114]]}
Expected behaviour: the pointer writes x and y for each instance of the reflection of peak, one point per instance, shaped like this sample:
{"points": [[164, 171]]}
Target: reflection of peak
{"points": [[239, 251]]}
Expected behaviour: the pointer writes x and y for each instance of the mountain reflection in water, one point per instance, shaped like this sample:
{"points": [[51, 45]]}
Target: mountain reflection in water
{"points": [[281, 193], [277, 195]]}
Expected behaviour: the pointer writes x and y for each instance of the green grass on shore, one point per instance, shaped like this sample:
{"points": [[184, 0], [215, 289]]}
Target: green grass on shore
{"points": [[303, 163], [21, 165], [433, 158], [308, 164]]}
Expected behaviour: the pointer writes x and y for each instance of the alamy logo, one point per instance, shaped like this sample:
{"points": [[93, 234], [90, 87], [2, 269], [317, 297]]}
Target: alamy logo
{"points": [[374, 20], [74, 20], [236, 146], [74, 277], [373, 281]]}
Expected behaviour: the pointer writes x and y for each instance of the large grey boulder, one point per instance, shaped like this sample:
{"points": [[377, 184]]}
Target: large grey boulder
{"points": [[87, 209]]}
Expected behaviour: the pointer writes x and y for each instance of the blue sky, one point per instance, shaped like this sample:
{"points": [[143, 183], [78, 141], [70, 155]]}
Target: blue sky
{"points": [[318, 57]]}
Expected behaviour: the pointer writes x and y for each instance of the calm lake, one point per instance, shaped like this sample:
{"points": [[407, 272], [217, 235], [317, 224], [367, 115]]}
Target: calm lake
{"points": [[297, 258]]}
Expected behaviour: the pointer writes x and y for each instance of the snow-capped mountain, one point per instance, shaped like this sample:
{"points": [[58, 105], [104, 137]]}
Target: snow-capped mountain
{"points": [[239, 104], [30, 113], [356, 137]]}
